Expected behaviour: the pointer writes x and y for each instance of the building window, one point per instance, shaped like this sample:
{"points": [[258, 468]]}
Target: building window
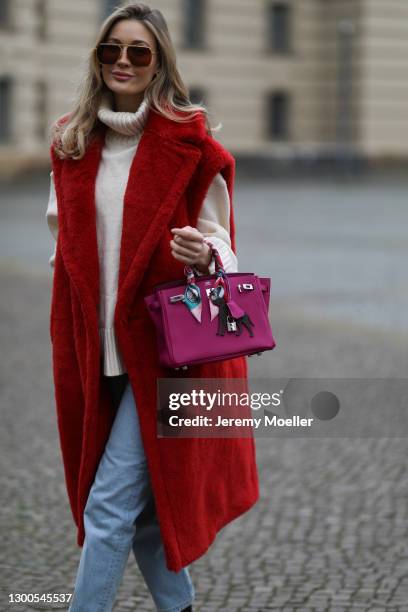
{"points": [[279, 23], [41, 110], [4, 13], [278, 115], [41, 9], [197, 95], [5, 109], [194, 23], [108, 6]]}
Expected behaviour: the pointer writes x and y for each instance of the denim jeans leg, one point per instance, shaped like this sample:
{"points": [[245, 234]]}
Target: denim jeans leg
{"points": [[118, 495], [171, 591]]}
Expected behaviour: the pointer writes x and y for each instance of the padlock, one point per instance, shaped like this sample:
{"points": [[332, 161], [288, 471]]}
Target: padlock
{"points": [[231, 324]]}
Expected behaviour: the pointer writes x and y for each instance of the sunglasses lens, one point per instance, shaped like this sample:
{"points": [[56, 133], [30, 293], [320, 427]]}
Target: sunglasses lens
{"points": [[139, 56], [108, 54]]}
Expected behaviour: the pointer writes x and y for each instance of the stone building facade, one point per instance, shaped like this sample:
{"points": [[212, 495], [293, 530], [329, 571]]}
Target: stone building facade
{"points": [[284, 77]]}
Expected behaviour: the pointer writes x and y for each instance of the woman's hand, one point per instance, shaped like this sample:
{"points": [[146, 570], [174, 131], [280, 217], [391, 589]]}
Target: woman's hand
{"points": [[189, 247]]}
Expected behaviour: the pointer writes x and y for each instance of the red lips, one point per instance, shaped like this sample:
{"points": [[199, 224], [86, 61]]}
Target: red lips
{"points": [[122, 74]]}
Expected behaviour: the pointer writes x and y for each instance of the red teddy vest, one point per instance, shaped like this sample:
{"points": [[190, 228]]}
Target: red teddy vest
{"points": [[194, 480]]}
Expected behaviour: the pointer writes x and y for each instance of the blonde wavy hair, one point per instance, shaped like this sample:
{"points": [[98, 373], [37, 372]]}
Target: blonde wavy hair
{"points": [[166, 93]]}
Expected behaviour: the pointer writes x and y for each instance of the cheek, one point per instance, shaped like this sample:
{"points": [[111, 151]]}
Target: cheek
{"points": [[105, 73], [146, 75]]}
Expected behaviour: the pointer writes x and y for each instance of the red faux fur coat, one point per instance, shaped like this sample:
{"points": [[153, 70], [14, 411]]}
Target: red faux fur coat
{"points": [[199, 484]]}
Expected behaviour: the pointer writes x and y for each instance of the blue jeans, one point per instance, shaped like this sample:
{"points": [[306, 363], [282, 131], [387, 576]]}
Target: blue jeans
{"points": [[120, 515]]}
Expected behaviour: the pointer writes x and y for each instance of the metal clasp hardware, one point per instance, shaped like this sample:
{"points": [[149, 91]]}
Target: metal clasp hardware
{"points": [[176, 298], [245, 287]]}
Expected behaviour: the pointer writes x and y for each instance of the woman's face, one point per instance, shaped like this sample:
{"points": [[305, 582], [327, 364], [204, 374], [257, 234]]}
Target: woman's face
{"points": [[129, 91]]}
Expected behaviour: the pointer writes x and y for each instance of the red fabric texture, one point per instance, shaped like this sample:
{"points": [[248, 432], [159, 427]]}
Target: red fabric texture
{"points": [[199, 484]]}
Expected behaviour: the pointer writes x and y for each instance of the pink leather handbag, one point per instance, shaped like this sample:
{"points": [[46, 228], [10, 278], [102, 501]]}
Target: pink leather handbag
{"points": [[211, 318]]}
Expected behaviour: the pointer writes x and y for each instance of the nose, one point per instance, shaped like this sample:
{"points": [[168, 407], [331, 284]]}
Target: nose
{"points": [[123, 59]]}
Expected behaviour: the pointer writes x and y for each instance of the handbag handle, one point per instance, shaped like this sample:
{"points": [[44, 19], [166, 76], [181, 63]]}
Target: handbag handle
{"points": [[221, 275], [191, 271]]}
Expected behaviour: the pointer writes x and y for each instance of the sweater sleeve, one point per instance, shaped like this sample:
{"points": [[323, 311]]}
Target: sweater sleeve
{"points": [[213, 223], [52, 216]]}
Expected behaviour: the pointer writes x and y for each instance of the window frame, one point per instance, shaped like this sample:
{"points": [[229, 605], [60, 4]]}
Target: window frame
{"points": [[6, 115], [275, 39], [194, 30], [276, 134]]}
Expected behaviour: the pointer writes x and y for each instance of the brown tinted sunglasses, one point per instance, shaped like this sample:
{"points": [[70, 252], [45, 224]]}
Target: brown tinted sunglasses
{"points": [[109, 53]]}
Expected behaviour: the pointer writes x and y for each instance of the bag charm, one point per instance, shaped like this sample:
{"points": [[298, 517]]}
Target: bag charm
{"points": [[217, 299], [231, 316], [192, 295]]}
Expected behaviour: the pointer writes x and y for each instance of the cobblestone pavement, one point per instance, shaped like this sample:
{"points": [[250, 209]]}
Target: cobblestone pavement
{"points": [[330, 530]]}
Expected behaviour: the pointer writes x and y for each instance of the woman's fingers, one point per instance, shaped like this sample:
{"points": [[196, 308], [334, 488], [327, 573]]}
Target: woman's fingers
{"points": [[187, 241], [187, 234], [192, 250], [182, 258], [187, 245], [190, 245]]}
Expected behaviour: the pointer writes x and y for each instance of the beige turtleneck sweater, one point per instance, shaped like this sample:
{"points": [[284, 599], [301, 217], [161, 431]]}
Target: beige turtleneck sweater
{"points": [[121, 141]]}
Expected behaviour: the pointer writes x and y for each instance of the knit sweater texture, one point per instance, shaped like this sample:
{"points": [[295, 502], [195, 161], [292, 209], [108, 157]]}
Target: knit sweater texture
{"points": [[124, 130]]}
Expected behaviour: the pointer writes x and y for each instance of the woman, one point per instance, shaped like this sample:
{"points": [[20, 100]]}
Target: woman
{"points": [[139, 185]]}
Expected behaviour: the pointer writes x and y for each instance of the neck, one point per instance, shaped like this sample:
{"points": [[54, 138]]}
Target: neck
{"points": [[127, 104]]}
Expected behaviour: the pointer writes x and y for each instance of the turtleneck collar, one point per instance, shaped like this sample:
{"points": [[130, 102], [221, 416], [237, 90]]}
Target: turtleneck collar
{"points": [[125, 123]]}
